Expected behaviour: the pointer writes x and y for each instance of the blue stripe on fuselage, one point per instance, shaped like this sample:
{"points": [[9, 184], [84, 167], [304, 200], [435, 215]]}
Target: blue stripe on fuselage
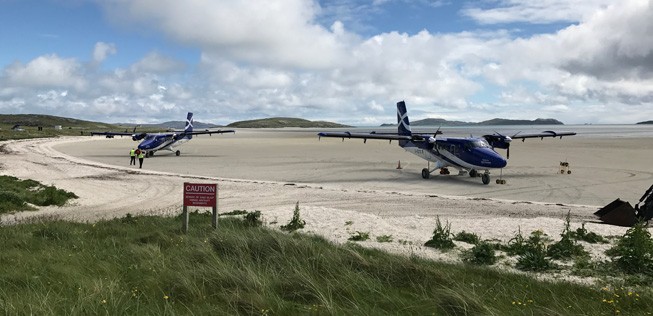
{"points": [[458, 152], [156, 142]]}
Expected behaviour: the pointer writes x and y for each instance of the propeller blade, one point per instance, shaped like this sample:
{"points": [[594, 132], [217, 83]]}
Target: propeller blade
{"points": [[508, 152]]}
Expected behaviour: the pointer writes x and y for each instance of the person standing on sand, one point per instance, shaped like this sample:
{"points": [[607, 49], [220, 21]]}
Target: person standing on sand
{"points": [[141, 155], [132, 157]]}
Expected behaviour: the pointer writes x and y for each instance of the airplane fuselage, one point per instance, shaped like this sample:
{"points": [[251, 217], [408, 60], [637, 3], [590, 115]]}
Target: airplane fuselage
{"points": [[167, 141], [462, 153]]}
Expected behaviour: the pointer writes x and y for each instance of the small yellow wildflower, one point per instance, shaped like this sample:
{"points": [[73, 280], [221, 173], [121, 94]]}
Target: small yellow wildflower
{"points": [[165, 297], [103, 301]]}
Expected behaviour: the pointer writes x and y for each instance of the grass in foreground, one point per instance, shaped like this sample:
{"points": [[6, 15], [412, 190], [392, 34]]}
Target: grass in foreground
{"points": [[146, 266]]}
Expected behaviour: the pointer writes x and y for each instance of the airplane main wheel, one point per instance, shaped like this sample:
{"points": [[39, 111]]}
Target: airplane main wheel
{"points": [[177, 152], [473, 173], [485, 178], [425, 173]]}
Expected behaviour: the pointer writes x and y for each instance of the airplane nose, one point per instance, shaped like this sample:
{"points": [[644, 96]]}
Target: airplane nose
{"points": [[499, 162]]}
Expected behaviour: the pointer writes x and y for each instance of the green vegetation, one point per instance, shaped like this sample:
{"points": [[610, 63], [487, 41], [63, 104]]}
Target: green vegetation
{"points": [[441, 236], [279, 122], [147, 266], [591, 237], [633, 252], [30, 123], [296, 222], [482, 253], [15, 194], [359, 236], [253, 219], [384, 238], [567, 247], [470, 238]]}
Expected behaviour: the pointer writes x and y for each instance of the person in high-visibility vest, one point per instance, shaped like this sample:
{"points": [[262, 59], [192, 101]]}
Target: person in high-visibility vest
{"points": [[132, 157], [141, 155]]}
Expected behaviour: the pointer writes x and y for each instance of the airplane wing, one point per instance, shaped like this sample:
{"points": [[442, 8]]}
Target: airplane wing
{"points": [[374, 135], [542, 135], [142, 135], [209, 132], [112, 133], [366, 136], [502, 141]]}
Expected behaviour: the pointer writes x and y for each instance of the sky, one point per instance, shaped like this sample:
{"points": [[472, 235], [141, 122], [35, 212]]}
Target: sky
{"points": [[345, 61]]}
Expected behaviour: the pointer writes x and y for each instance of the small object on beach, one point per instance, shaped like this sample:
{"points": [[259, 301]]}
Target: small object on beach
{"points": [[399, 165], [564, 167]]}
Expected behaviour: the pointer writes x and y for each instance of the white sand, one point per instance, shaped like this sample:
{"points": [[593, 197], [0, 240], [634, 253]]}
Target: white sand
{"points": [[342, 187]]}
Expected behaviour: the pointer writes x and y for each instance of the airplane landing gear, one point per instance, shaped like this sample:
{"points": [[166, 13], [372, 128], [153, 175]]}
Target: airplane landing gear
{"points": [[485, 178], [425, 173], [473, 173], [177, 152]]}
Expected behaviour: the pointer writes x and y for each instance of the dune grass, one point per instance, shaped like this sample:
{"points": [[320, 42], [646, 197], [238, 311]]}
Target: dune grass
{"points": [[15, 194], [147, 266]]}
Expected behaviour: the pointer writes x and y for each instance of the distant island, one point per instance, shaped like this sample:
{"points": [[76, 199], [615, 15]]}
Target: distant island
{"points": [[495, 121], [646, 122], [279, 122]]}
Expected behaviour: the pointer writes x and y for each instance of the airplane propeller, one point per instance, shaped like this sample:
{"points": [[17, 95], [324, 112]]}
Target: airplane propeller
{"points": [[432, 139], [498, 140]]}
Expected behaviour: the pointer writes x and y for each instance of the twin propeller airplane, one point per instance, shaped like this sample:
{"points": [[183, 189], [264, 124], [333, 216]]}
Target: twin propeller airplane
{"points": [[151, 142], [472, 155]]}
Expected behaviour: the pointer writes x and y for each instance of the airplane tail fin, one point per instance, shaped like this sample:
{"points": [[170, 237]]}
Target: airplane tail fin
{"points": [[189, 125], [403, 125]]}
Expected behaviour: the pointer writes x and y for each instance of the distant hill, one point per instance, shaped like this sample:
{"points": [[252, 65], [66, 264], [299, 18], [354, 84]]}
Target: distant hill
{"points": [[42, 120], [438, 121], [646, 122], [279, 122], [495, 121], [539, 121]]}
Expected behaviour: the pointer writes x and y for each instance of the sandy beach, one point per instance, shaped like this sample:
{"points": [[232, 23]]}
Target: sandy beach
{"points": [[343, 187]]}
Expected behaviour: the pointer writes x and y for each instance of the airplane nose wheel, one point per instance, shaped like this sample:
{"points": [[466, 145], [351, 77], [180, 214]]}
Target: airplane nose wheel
{"points": [[425, 173], [501, 181], [177, 152]]}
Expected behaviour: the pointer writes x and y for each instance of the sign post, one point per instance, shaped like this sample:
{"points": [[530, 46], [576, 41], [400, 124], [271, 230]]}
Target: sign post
{"points": [[202, 195]]}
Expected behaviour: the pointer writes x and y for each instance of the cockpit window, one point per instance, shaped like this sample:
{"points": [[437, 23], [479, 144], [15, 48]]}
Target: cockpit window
{"points": [[150, 137], [480, 143]]}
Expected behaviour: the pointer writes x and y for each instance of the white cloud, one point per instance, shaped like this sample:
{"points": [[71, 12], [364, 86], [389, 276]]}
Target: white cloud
{"points": [[538, 12], [102, 51], [155, 62], [47, 71], [262, 32]]}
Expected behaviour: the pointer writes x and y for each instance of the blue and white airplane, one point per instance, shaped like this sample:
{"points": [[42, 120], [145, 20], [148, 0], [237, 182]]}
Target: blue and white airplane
{"points": [[152, 142], [472, 155]]}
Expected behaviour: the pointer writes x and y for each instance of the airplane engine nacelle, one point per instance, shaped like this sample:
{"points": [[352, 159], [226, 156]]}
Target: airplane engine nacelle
{"points": [[498, 141], [138, 136]]}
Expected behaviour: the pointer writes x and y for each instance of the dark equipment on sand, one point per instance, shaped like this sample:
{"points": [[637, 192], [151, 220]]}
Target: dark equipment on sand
{"points": [[623, 214]]}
